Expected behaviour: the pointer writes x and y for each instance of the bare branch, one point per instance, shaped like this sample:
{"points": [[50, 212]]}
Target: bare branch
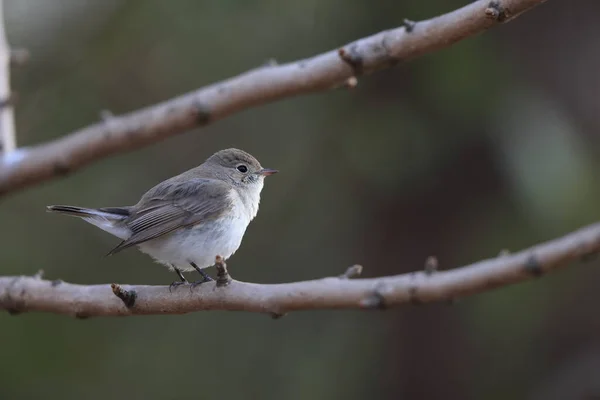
{"points": [[127, 296], [8, 142], [352, 272], [431, 265], [21, 294], [223, 277], [337, 68]]}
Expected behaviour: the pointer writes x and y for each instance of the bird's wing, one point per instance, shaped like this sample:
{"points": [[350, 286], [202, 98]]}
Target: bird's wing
{"points": [[175, 205]]}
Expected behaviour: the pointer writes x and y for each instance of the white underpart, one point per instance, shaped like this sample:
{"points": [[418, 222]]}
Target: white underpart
{"points": [[201, 243]]}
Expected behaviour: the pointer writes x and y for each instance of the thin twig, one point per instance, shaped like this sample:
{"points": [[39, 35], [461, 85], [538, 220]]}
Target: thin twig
{"points": [[127, 296], [336, 68], [431, 265], [20, 294], [8, 141], [352, 272], [223, 277]]}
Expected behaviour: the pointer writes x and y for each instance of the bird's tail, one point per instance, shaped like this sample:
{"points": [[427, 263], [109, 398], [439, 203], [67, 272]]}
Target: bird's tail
{"points": [[109, 213], [108, 219]]}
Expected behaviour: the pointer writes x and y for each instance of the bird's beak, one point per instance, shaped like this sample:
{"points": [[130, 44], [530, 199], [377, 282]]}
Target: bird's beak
{"points": [[267, 171]]}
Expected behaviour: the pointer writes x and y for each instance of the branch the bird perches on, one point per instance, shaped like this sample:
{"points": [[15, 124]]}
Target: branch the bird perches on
{"points": [[24, 293]]}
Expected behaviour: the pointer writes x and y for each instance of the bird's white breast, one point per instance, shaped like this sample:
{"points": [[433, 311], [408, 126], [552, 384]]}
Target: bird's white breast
{"points": [[202, 242]]}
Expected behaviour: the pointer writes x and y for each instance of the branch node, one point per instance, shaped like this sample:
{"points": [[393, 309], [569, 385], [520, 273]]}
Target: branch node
{"points": [[19, 57], [223, 277], [408, 25], [351, 82], [61, 168], [533, 266], [352, 58], [56, 282], [202, 113], [389, 50], [431, 265], [271, 62], [352, 272], [39, 274], [127, 296], [504, 253], [106, 115], [375, 301], [496, 11]]}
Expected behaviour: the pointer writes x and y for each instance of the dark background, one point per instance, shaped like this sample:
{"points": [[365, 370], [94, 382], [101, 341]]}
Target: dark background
{"points": [[490, 144]]}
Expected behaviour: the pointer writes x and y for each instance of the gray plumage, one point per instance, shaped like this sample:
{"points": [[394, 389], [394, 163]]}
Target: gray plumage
{"points": [[183, 220]]}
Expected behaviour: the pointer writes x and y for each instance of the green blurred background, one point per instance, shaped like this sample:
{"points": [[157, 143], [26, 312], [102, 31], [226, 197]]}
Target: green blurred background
{"points": [[488, 145]]}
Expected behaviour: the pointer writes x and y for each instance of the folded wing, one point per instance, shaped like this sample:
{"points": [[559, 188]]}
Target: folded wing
{"points": [[173, 205]]}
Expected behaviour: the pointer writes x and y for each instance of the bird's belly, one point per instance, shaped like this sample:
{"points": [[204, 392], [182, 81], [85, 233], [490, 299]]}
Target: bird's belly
{"points": [[199, 244]]}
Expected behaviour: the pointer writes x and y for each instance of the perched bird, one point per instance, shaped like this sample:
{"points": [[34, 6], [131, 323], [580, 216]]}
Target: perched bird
{"points": [[186, 221]]}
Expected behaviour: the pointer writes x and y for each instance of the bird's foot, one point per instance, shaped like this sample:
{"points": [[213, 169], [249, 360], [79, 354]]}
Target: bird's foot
{"points": [[176, 284], [205, 278]]}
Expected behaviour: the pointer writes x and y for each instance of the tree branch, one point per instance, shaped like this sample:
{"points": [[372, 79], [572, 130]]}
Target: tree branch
{"points": [[8, 141], [21, 293], [333, 69]]}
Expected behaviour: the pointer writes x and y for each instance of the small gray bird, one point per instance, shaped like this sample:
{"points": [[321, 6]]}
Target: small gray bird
{"points": [[186, 221]]}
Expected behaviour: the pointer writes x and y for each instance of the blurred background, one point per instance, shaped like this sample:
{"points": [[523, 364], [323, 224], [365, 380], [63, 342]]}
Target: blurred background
{"points": [[491, 144]]}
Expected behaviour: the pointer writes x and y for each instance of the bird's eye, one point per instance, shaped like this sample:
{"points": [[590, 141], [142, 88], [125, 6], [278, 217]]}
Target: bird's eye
{"points": [[242, 168]]}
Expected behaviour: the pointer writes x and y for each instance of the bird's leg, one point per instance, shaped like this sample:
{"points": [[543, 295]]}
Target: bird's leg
{"points": [[178, 283], [205, 276]]}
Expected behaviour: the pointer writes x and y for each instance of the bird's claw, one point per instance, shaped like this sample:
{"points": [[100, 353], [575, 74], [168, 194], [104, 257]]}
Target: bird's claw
{"points": [[200, 282], [175, 285]]}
